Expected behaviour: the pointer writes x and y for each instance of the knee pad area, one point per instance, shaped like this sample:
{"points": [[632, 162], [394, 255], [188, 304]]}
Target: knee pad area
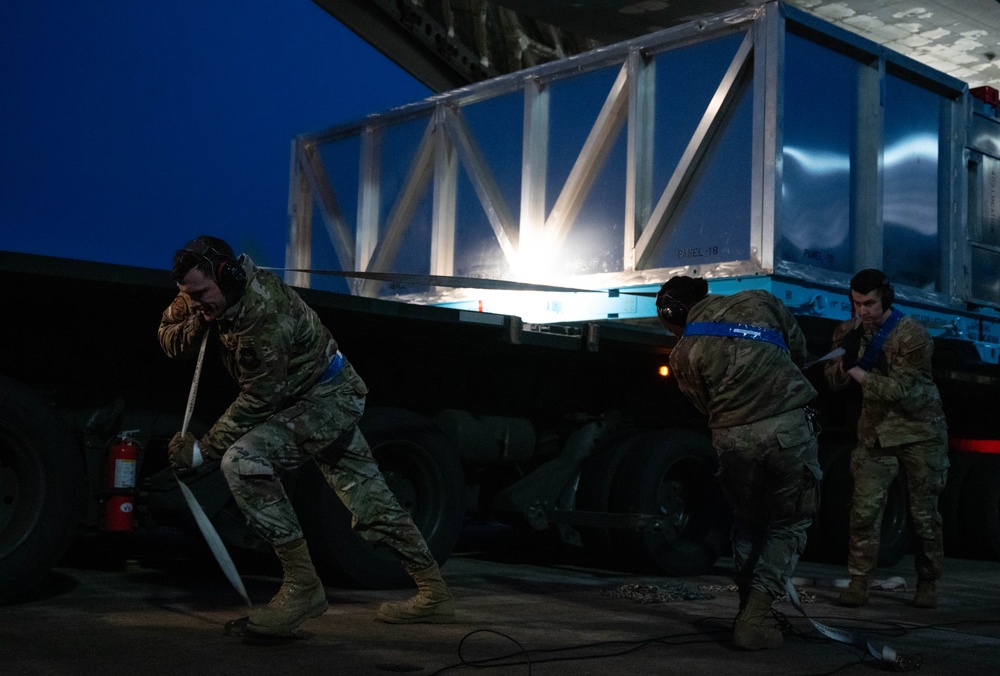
{"points": [[239, 465]]}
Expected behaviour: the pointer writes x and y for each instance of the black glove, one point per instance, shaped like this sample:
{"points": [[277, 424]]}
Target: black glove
{"points": [[852, 346], [180, 450]]}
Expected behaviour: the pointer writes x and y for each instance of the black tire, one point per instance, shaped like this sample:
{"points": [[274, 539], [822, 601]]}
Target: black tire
{"points": [[827, 538], [423, 472], [42, 482], [597, 477], [950, 503], [831, 530], [671, 473], [981, 509]]}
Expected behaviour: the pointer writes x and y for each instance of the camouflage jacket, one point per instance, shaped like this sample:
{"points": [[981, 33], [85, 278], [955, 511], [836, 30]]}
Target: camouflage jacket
{"points": [[736, 381], [273, 345], [900, 402]]}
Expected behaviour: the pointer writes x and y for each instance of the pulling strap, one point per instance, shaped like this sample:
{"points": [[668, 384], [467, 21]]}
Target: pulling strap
{"points": [[772, 336], [200, 518], [871, 354], [886, 655]]}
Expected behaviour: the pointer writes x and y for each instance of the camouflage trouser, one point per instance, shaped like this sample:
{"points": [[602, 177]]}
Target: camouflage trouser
{"points": [[321, 426], [769, 471], [873, 469]]}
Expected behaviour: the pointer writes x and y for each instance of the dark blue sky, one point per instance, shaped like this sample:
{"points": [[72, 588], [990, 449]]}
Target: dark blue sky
{"points": [[128, 127]]}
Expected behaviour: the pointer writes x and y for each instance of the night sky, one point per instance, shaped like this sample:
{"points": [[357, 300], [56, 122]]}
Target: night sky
{"points": [[129, 127]]}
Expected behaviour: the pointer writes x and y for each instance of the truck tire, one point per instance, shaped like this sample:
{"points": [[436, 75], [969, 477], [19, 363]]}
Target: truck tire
{"points": [[981, 510], [425, 474], [42, 481], [671, 473], [593, 493], [827, 539], [830, 533]]}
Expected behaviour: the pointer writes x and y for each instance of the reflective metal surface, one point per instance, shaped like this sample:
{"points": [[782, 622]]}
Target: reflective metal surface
{"points": [[758, 143]]}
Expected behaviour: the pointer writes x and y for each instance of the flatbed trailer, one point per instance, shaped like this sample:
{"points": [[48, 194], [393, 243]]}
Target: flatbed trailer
{"points": [[704, 150]]}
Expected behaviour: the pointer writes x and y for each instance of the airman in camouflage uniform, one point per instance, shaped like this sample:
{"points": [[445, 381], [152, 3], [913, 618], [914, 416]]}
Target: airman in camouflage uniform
{"points": [[736, 360], [299, 400], [901, 422]]}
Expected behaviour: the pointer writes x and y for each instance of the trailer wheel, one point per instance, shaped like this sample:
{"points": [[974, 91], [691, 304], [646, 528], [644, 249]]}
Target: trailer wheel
{"points": [[981, 509], [826, 540], [423, 472], [593, 493], [42, 477], [671, 474], [831, 530]]}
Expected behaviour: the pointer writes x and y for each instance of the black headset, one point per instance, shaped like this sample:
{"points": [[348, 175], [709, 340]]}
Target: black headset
{"points": [[888, 293], [670, 309], [226, 270]]}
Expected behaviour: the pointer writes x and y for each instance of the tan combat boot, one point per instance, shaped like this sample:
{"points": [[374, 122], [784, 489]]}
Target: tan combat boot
{"points": [[300, 598], [432, 604], [753, 629], [856, 594], [926, 596]]}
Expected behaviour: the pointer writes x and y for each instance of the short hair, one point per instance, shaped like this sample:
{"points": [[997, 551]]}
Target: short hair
{"points": [[873, 279], [204, 252]]}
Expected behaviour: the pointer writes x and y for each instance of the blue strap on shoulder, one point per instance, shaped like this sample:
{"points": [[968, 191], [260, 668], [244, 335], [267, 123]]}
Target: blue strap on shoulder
{"points": [[772, 336], [334, 369], [868, 359]]}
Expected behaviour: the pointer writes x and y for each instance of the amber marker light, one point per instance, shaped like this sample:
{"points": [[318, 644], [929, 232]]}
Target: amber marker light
{"points": [[664, 371]]}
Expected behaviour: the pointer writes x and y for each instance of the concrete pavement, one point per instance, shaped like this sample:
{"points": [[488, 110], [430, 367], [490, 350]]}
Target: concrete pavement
{"points": [[519, 613]]}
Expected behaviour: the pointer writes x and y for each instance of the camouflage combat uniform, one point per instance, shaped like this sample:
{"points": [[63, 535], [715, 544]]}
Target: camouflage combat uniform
{"points": [[289, 412], [755, 398], [901, 422]]}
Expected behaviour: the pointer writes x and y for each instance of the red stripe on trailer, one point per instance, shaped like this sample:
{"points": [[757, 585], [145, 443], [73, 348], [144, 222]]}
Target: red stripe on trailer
{"points": [[975, 445]]}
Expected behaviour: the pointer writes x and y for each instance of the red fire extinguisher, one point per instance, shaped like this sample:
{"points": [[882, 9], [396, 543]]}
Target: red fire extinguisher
{"points": [[120, 474]]}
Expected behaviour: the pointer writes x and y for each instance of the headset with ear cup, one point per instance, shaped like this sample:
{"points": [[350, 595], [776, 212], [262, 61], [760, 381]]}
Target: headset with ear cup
{"points": [[670, 309], [873, 279], [226, 270], [888, 294]]}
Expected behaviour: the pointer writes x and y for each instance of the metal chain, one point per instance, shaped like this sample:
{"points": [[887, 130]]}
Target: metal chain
{"points": [[644, 593]]}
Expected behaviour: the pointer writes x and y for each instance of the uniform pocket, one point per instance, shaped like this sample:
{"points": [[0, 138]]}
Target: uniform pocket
{"points": [[250, 358], [790, 437], [938, 463], [723, 440], [797, 499], [809, 497], [732, 493]]}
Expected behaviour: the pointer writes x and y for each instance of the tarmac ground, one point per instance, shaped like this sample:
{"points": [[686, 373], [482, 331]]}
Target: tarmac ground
{"points": [[522, 610]]}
